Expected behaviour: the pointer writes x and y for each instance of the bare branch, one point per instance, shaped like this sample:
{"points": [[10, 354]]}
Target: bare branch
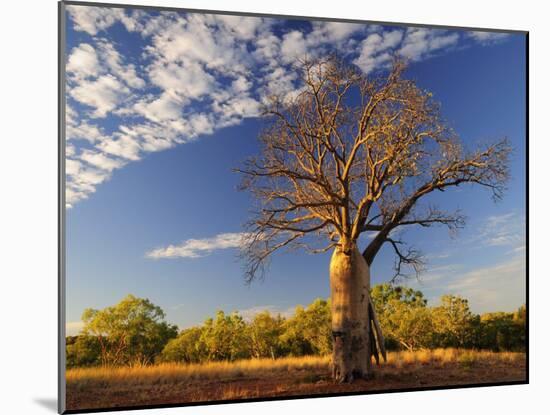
{"points": [[411, 258], [349, 154]]}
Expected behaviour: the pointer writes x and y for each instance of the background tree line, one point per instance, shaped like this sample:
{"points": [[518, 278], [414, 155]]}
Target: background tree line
{"points": [[134, 331]]}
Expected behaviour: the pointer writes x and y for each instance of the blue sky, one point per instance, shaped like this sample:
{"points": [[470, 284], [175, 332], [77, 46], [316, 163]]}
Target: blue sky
{"points": [[162, 106]]}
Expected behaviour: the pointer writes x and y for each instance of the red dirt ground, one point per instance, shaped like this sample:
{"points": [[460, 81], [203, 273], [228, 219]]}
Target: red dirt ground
{"points": [[89, 395]]}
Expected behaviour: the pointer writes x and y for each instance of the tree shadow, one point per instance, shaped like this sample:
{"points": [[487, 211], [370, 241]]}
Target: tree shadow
{"points": [[48, 403]]}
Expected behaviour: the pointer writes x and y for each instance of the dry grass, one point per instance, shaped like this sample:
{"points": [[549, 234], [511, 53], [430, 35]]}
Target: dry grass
{"points": [[169, 372], [178, 383], [450, 355]]}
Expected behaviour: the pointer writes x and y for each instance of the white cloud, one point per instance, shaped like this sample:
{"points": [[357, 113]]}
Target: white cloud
{"points": [[93, 20], [375, 50], [83, 61], [124, 146], [72, 328], [196, 248], [166, 107], [114, 64], [196, 73], [499, 287], [420, 43], [241, 27], [84, 131], [240, 85], [248, 314], [520, 248], [197, 38], [98, 77], [324, 32], [293, 46], [102, 94], [268, 48], [486, 38], [101, 161], [503, 230], [83, 180], [188, 80], [495, 287]]}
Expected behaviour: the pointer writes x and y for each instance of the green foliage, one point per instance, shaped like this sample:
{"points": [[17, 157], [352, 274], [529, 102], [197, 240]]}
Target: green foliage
{"points": [[134, 331], [405, 319], [129, 333], [225, 337], [83, 351], [503, 331], [188, 347], [382, 294], [408, 322], [308, 331], [229, 337], [454, 324], [264, 333]]}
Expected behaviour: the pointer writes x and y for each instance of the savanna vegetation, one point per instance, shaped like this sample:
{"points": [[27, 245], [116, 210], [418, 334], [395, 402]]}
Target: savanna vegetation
{"points": [[350, 154], [134, 332], [127, 354], [100, 387]]}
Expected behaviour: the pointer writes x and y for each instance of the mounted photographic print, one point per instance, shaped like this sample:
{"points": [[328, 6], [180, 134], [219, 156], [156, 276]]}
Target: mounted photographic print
{"points": [[258, 207]]}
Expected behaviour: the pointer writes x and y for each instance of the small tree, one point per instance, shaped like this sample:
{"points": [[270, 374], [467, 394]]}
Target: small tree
{"points": [[350, 154], [502, 331], [404, 316], [188, 347], [264, 333], [454, 324], [131, 332], [83, 351], [225, 337], [308, 331]]}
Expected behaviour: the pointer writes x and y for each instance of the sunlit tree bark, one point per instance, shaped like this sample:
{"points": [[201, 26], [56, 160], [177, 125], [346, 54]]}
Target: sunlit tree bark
{"points": [[350, 154]]}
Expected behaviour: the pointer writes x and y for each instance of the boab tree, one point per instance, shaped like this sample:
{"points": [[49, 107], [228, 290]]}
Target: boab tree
{"points": [[350, 154]]}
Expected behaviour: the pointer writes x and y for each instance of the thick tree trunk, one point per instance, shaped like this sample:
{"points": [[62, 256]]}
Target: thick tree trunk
{"points": [[349, 282]]}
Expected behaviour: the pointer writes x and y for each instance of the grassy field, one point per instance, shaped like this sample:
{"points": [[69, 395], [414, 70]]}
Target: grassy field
{"points": [[89, 388]]}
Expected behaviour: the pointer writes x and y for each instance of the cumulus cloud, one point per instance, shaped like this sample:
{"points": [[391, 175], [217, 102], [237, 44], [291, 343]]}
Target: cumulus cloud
{"points": [[159, 109], [376, 50], [194, 74], [83, 180], [102, 94], [124, 146], [101, 161], [420, 43], [293, 46], [98, 77], [83, 62], [115, 65], [196, 248], [415, 44], [189, 80], [241, 27], [331, 32], [93, 20], [486, 38], [83, 131]]}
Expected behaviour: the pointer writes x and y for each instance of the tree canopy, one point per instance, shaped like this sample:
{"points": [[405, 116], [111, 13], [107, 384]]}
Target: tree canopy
{"points": [[351, 153], [406, 318], [130, 332]]}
